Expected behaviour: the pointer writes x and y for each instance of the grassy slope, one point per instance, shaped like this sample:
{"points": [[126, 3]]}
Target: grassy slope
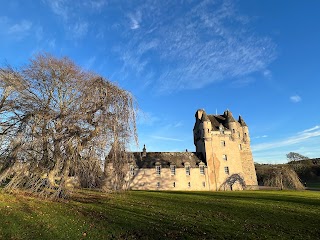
{"points": [[155, 215]]}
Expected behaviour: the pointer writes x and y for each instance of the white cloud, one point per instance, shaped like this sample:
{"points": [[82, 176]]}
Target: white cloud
{"points": [[52, 43], [242, 82], [69, 11], [267, 74], [167, 138], [95, 4], [310, 129], [135, 20], [59, 7], [263, 136], [300, 137], [295, 98], [89, 63], [79, 29], [195, 48], [22, 27], [146, 118]]}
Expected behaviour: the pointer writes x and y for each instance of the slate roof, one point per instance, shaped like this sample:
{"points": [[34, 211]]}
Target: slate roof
{"points": [[241, 121], [223, 119], [216, 120], [168, 158]]}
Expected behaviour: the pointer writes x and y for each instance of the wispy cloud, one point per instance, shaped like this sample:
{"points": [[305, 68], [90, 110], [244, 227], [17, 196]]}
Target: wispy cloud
{"points": [[310, 129], [263, 136], [210, 43], [59, 7], [70, 11], [95, 4], [242, 82], [21, 27], [167, 138], [79, 29], [89, 63], [267, 74], [300, 137], [14, 29], [135, 20], [295, 98], [146, 118]]}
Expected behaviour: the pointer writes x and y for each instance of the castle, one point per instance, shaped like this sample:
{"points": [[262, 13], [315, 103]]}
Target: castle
{"points": [[222, 161]]}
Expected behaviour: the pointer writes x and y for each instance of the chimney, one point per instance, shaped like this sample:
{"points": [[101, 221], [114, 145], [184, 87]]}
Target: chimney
{"points": [[144, 151]]}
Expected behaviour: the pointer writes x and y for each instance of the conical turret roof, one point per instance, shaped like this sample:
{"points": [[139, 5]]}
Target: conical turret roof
{"points": [[242, 122], [228, 116], [205, 117]]}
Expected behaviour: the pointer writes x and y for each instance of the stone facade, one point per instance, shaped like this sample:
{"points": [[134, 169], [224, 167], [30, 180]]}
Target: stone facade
{"points": [[222, 161]]}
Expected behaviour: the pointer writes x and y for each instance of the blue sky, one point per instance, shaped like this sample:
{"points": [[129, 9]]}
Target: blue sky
{"points": [[260, 59]]}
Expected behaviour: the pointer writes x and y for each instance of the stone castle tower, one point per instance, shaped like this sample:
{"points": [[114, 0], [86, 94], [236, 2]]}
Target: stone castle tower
{"points": [[222, 161], [225, 146]]}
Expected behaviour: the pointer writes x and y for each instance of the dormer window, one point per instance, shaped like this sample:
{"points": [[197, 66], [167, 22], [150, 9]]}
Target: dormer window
{"points": [[173, 169], [187, 167], [158, 170]]}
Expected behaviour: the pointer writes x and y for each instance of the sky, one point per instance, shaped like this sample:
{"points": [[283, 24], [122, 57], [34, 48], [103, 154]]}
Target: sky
{"points": [[259, 59]]}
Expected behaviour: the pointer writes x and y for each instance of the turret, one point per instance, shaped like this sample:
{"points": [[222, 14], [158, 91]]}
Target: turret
{"points": [[198, 114], [242, 122], [244, 128], [206, 125], [230, 121]]}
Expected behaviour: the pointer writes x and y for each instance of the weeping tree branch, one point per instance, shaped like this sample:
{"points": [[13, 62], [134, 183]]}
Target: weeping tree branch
{"points": [[57, 122]]}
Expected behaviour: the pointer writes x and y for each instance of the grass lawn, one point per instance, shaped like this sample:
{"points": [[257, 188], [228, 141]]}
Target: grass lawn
{"points": [[160, 215]]}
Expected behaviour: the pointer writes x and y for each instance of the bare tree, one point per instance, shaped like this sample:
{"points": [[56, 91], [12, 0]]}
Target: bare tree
{"points": [[57, 121]]}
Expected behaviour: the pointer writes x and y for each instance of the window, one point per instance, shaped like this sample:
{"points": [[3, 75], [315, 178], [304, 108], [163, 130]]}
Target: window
{"points": [[189, 184], [174, 184], [158, 170], [173, 169], [239, 134], [158, 184], [201, 169], [187, 170], [131, 170], [221, 129], [226, 170], [240, 147], [223, 143], [203, 184], [224, 157], [233, 131]]}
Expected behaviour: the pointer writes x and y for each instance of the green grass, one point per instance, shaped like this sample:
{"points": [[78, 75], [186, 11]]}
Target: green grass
{"points": [[159, 215]]}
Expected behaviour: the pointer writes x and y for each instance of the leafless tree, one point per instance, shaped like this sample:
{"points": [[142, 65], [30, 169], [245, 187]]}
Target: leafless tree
{"points": [[56, 122]]}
